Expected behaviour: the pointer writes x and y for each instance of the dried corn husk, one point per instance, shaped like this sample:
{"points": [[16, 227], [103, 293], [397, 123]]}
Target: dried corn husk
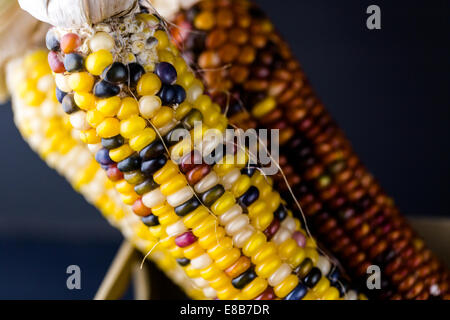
{"points": [[19, 32], [77, 13]]}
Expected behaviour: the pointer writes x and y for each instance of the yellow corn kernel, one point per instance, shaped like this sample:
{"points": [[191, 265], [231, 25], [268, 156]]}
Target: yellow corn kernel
{"points": [[124, 187], [296, 257], [35, 58], [223, 204], [143, 139], [148, 85], [212, 118], [210, 272], [163, 39], [203, 103], [90, 136], [168, 218], [227, 293], [207, 225], [275, 199], [108, 128], [185, 79], [149, 19], [209, 240], [172, 186], [84, 100], [192, 251], [94, 118], [131, 126], [166, 56], [97, 61], [180, 65], [81, 81], [143, 232], [162, 209], [129, 199], [286, 286], [109, 106], [182, 110], [287, 248], [330, 294], [254, 289], [166, 172], [264, 107], [241, 185], [120, 153], [34, 98], [221, 282], [263, 252], [321, 286], [129, 107], [26, 86], [176, 252], [257, 208], [312, 254], [191, 272], [256, 241], [167, 242], [310, 243], [194, 218], [162, 117], [228, 258], [157, 231], [224, 245], [269, 265], [263, 220]]}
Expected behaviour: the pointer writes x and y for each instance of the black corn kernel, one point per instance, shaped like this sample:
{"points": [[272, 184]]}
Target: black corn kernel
{"points": [[73, 62], [104, 89], [313, 277], [68, 104], [151, 166], [189, 120], [280, 213], [129, 164], [183, 261], [187, 207], [135, 71], [146, 186], [150, 220], [117, 72], [113, 143], [245, 278], [210, 196], [153, 150], [250, 196]]}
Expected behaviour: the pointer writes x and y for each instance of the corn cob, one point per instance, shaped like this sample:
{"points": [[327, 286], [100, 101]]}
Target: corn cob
{"points": [[46, 128], [240, 54], [223, 223]]}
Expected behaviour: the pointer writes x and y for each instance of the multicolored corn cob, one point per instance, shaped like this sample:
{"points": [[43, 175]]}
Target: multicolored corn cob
{"points": [[46, 128], [240, 56], [128, 92]]}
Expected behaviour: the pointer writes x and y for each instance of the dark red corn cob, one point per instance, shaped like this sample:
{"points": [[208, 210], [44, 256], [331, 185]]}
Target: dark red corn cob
{"points": [[238, 52]]}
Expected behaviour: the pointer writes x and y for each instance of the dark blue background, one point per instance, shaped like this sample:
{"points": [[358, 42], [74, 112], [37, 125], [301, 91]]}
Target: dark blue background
{"points": [[388, 89]]}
